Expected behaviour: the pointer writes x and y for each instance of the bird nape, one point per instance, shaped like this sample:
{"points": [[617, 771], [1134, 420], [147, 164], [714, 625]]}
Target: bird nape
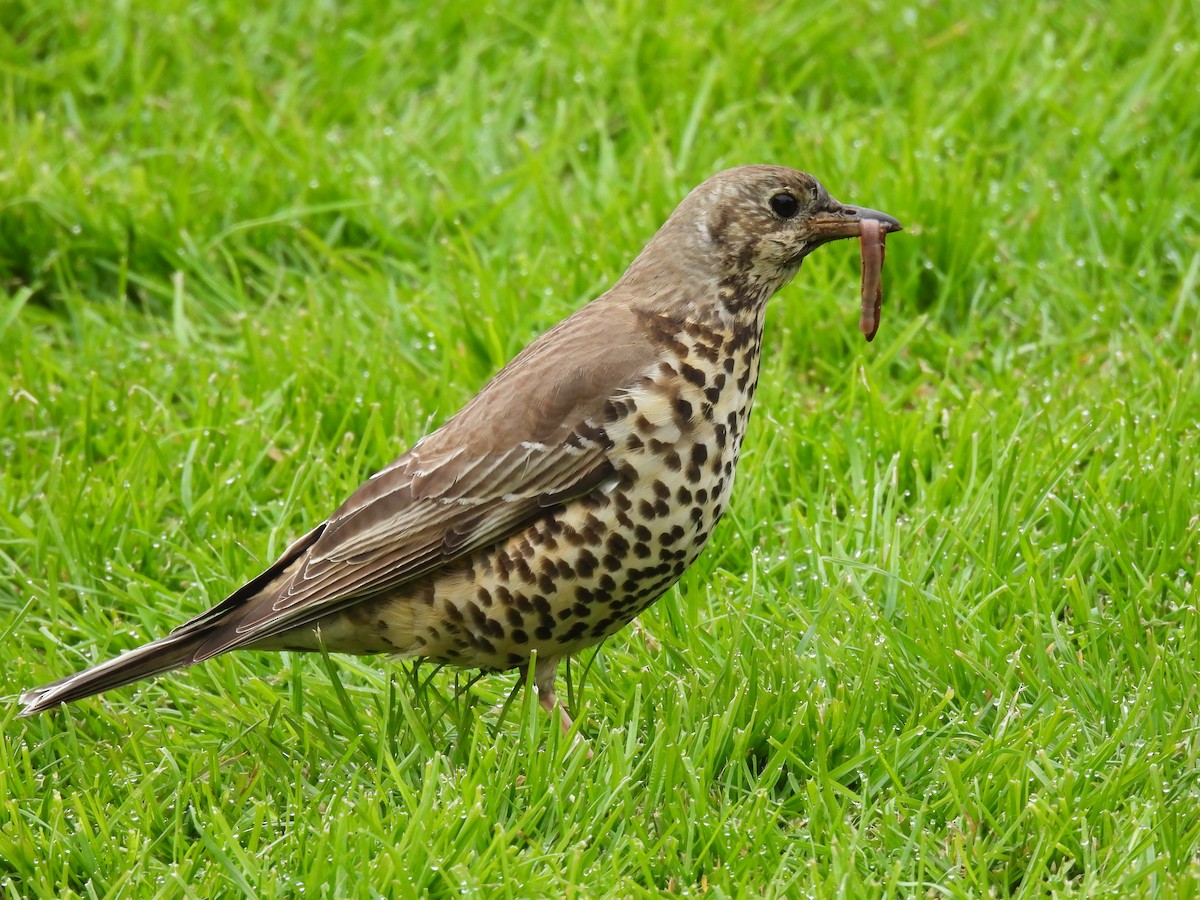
{"points": [[572, 491]]}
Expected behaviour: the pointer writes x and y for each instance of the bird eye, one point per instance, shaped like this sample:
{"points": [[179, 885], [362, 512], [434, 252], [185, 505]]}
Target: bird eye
{"points": [[785, 205]]}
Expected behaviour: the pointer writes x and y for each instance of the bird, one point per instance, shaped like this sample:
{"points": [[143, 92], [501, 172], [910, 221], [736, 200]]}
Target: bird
{"points": [[569, 494]]}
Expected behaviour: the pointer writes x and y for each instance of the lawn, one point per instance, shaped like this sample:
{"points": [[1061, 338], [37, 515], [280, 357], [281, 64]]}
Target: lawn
{"points": [[944, 643]]}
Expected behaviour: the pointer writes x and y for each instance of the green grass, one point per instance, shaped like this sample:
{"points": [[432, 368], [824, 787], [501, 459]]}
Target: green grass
{"points": [[945, 642]]}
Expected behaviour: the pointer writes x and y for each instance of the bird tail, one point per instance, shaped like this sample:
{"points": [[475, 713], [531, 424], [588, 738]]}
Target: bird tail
{"points": [[174, 651], [188, 644]]}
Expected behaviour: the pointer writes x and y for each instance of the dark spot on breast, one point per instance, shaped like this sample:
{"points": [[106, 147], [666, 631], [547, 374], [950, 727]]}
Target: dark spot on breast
{"points": [[601, 628], [544, 632], [617, 544], [523, 570], [683, 495], [519, 636], [671, 536], [586, 563], [672, 461], [692, 374], [592, 529], [514, 616], [453, 611]]}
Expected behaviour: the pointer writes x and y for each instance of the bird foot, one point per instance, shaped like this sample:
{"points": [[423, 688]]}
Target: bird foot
{"points": [[555, 707], [552, 705], [544, 684]]}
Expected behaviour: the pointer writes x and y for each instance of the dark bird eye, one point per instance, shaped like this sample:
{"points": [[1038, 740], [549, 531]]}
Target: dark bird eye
{"points": [[785, 205]]}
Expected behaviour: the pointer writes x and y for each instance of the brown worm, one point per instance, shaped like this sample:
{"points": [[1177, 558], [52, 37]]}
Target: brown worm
{"points": [[870, 238]]}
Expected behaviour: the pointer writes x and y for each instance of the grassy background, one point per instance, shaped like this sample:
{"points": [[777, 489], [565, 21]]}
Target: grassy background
{"points": [[945, 642]]}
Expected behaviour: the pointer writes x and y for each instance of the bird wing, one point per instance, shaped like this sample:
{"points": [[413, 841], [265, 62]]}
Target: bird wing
{"points": [[531, 440]]}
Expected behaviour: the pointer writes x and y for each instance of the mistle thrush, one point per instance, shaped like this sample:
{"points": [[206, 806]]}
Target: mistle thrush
{"points": [[569, 494]]}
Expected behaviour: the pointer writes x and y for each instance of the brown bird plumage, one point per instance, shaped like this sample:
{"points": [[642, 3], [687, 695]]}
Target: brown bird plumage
{"points": [[569, 494]]}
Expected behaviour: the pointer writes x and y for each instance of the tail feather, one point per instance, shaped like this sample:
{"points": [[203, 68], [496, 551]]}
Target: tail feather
{"points": [[180, 648], [172, 652]]}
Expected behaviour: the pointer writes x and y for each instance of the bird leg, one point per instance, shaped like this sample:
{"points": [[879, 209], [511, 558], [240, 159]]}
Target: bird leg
{"points": [[543, 679]]}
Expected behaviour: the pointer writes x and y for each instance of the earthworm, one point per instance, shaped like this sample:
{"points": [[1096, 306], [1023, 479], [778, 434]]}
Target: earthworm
{"points": [[871, 238]]}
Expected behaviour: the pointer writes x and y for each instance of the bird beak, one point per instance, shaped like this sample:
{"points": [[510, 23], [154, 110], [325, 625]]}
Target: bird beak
{"points": [[843, 221]]}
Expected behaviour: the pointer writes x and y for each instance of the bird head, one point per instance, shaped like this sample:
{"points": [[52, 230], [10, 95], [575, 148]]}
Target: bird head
{"points": [[761, 221], [744, 233]]}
